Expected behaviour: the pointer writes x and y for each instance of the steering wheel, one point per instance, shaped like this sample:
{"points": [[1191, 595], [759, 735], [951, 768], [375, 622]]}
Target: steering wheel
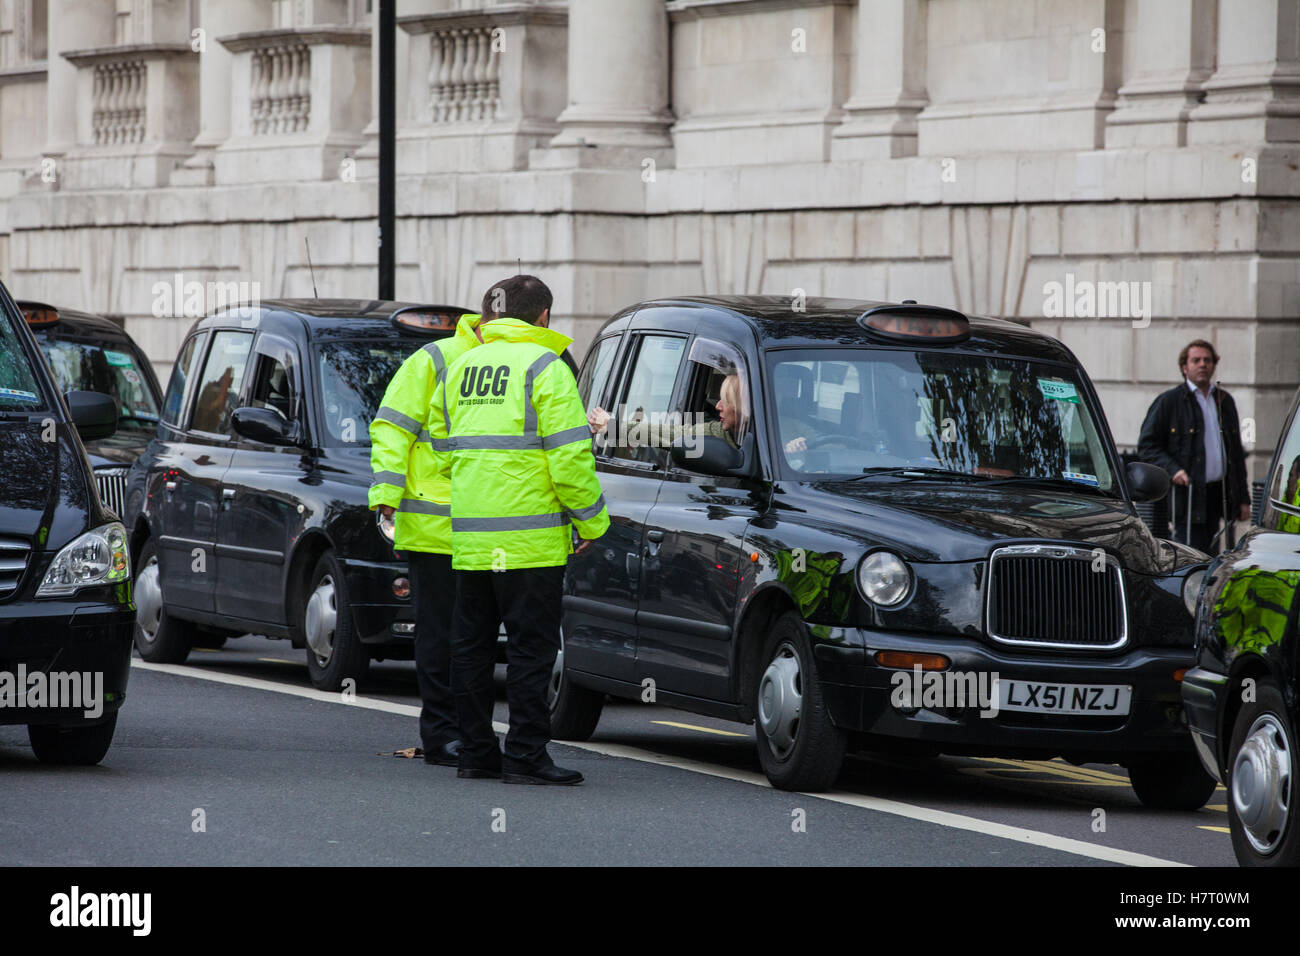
{"points": [[839, 438]]}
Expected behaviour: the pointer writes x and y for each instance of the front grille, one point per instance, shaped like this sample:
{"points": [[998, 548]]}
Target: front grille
{"points": [[13, 562], [1056, 596], [112, 488]]}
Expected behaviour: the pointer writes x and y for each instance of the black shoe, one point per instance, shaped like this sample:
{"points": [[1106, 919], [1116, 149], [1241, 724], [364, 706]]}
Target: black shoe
{"points": [[544, 775], [448, 755], [478, 773]]}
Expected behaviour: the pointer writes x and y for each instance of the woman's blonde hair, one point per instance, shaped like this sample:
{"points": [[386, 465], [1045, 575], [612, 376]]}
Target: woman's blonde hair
{"points": [[734, 395]]}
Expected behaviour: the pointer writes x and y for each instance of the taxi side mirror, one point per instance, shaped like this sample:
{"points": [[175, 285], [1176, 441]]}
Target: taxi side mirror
{"points": [[714, 456], [265, 425], [93, 413], [1147, 482]]}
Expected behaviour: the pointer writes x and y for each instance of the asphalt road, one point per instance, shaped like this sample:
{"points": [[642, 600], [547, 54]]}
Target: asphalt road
{"points": [[234, 759]]}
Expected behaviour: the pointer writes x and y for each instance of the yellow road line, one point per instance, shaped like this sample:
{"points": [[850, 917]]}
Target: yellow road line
{"points": [[707, 730], [276, 660], [1216, 829], [1221, 807], [1071, 774]]}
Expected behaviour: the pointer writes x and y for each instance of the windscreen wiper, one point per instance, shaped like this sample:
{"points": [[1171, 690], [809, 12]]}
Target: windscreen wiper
{"points": [[1050, 481], [916, 471]]}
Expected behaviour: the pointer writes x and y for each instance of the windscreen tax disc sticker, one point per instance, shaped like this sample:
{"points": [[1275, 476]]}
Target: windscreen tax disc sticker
{"points": [[1061, 391], [1081, 477], [16, 395], [117, 358]]}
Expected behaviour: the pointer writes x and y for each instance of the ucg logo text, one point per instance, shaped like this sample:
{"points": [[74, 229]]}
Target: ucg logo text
{"points": [[484, 379]]}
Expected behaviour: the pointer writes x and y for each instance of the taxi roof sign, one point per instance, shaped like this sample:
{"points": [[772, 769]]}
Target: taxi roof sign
{"points": [[910, 322], [38, 313], [428, 318]]}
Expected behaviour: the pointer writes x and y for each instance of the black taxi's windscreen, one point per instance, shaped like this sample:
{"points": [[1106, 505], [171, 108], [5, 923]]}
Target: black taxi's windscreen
{"points": [[852, 411], [354, 374], [18, 389]]}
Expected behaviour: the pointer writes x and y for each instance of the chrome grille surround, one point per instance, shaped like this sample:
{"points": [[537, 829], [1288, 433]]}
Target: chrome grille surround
{"points": [[14, 554], [1053, 575], [111, 483]]}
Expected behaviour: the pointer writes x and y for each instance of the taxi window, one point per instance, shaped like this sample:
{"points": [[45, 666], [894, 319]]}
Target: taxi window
{"points": [[109, 371], [354, 374], [1286, 476], [646, 400], [853, 411], [18, 389], [174, 400], [596, 369], [218, 388]]}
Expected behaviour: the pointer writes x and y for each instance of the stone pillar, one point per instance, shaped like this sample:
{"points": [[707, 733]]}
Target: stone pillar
{"points": [[888, 82], [618, 75], [72, 25], [1173, 56], [218, 18], [1254, 95]]}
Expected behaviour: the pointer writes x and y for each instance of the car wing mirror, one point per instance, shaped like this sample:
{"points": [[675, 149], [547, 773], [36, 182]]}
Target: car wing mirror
{"points": [[714, 456], [265, 425], [1147, 482], [94, 413]]}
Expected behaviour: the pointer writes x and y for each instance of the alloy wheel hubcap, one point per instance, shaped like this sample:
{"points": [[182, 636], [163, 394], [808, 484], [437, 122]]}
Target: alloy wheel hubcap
{"points": [[557, 673], [148, 599], [1261, 783], [322, 615], [780, 701]]}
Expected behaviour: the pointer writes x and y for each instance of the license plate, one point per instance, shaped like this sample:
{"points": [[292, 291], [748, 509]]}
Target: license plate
{"points": [[1102, 700]]}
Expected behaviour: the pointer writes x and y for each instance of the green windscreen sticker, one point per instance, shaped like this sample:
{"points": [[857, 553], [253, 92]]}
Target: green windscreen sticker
{"points": [[118, 358], [1061, 391]]}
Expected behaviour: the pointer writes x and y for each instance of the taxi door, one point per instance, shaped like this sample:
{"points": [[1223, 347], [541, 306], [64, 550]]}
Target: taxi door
{"points": [[604, 584], [694, 557]]}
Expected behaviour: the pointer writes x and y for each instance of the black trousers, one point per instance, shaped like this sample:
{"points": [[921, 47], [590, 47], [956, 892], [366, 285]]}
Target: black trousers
{"points": [[433, 592], [528, 601], [1202, 534]]}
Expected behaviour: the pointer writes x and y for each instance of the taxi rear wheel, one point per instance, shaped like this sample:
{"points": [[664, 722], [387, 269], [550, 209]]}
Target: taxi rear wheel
{"points": [[159, 637], [334, 651], [798, 745], [1261, 787], [1171, 782], [575, 711], [72, 746]]}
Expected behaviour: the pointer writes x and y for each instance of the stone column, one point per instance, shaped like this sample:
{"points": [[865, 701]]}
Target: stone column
{"points": [[618, 75], [1254, 95], [1173, 57], [72, 25], [888, 82]]}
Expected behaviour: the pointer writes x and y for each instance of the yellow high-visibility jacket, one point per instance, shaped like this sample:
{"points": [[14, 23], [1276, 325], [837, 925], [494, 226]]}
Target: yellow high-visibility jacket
{"points": [[407, 443], [521, 467]]}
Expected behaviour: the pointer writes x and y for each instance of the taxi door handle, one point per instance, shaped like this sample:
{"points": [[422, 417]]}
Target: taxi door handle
{"points": [[654, 538], [170, 486], [227, 496]]}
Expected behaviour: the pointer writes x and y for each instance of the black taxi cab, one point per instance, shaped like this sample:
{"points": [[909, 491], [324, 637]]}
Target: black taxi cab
{"points": [[904, 527], [248, 511], [1241, 696], [92, 353], [66, 613]]}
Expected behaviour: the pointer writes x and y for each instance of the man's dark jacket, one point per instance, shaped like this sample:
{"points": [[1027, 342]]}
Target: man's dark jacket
{"points": [[1173, 438]]}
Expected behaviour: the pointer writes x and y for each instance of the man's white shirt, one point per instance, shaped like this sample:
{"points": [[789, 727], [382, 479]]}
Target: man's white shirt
{"points": [[1214, 461]]}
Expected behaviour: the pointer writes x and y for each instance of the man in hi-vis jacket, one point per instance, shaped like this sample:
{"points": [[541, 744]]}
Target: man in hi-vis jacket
{"points": [[523, 482]]}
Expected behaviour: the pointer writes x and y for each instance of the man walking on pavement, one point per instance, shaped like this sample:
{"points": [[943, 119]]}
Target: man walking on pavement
{"points": [[1192, 431], [410, 488], [523, 482]]}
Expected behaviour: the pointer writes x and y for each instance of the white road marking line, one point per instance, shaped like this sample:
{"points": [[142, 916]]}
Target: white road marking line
{"points": [[945, 818]]}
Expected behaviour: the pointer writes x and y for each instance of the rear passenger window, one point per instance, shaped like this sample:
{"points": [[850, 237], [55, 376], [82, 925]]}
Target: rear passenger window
{"points": [[223, 376], [174, 400], [648, 395], [595, 371]]}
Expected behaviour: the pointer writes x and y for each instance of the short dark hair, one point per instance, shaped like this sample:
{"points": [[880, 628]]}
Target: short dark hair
{"points": [[1195, 344], [519, 297]]}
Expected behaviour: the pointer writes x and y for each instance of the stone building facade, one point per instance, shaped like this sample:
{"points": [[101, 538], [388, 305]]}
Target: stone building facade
{"points": [[1122, 174]]}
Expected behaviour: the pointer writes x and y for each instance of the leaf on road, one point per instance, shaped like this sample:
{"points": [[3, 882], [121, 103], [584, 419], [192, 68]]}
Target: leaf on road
{"points": [[410, 753]]}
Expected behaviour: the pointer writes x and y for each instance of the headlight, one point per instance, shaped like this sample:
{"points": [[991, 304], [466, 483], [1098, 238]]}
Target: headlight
{"points": [[884, 578], [97, 557], [386, 526], [1192, 589]]}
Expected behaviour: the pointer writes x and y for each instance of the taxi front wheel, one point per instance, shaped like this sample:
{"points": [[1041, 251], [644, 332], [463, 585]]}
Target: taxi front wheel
{"points": [[334, 651], [1261, 782], [72, 746], [798, 745], [575, 711], [1171, 782], [159, 637]]}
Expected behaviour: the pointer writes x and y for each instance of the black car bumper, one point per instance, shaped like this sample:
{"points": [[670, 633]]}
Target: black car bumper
{"points": [[858, 692], [380, 616], [83, 650], [1203, 692]]}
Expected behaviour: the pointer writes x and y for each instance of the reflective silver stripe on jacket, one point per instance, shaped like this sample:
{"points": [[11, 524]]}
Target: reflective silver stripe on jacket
{"points": [[515, 523], [534, 370], [589, 512], [420, 507], [394, 417], [494, 443], [439, 373], [388, 478], [567, 437]]}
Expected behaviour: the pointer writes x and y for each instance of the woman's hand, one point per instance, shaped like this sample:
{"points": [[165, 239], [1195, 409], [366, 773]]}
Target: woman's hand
{"points": [[797, 444], [597, 419]]}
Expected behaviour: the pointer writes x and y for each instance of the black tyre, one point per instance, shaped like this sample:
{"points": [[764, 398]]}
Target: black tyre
{"points": [[334, 651], [72, 746], [1171, 782], [212, 638], [575, 711], [1261, 782], [159, 637], [798, 745]]}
